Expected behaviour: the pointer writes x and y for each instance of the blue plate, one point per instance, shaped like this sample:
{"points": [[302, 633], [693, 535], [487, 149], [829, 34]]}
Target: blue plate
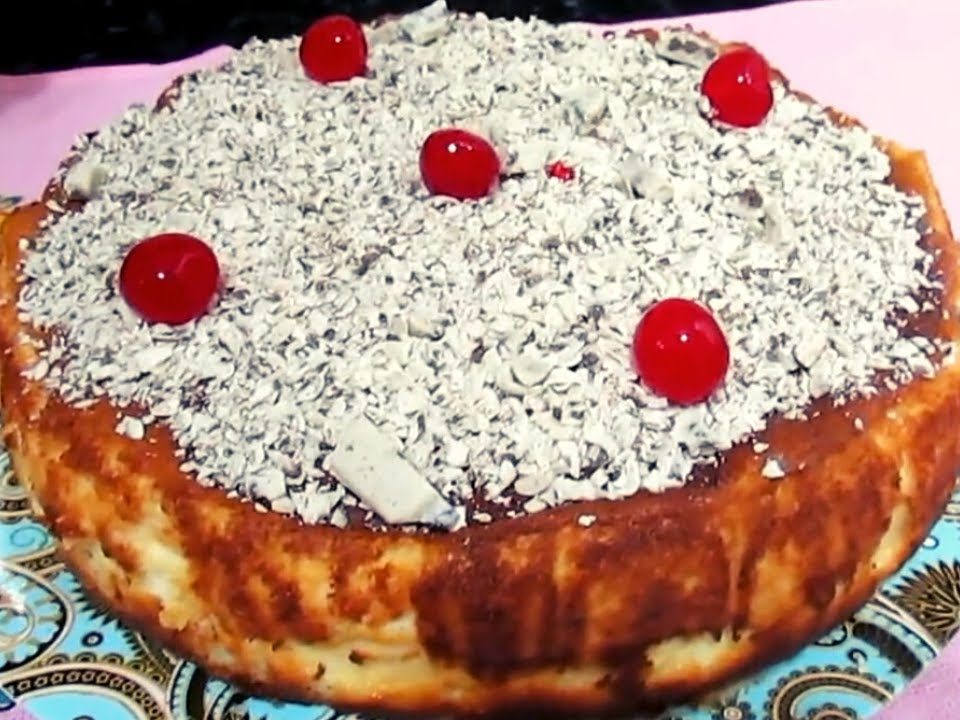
{"points": [[64, 658]]}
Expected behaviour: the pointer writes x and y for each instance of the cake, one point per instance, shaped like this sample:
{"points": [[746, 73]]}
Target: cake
{"points": [[471, 366]]}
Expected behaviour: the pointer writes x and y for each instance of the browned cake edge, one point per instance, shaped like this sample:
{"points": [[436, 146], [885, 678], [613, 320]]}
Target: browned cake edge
{"points": [[662, 597]]}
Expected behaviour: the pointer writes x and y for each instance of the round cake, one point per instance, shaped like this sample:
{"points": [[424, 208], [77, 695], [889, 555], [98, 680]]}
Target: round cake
{"points": [[469, 366]]}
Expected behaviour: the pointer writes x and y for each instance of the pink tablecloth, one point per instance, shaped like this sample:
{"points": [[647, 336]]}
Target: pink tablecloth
{"points": [[889, 62]]}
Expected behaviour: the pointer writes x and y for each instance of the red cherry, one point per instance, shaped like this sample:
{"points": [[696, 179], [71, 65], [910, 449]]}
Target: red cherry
{"points": [[680, 351], [169, 278], [561, 171], [334, 49], [737, 84], [459, 164]]}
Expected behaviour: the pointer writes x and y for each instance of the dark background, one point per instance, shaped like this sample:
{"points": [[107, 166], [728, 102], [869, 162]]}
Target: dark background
{"points": [[41, 36]]}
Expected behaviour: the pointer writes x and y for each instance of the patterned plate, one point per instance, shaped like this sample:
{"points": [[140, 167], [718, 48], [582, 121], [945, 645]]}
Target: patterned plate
{"points": [[64, 658]]}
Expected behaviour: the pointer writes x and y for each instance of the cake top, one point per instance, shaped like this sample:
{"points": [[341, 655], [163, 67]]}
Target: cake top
{"points": [[381, 353]]}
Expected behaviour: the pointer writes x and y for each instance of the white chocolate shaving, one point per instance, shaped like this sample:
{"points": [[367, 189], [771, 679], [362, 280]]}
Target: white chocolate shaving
{"points": [[367, 463]]}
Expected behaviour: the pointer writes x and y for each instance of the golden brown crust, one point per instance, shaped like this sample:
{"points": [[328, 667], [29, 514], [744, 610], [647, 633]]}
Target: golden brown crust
{"points": [[662, 597]]}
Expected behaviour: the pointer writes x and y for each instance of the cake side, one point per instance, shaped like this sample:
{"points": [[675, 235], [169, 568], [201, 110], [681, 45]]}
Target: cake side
{"points": [[653, 598]]}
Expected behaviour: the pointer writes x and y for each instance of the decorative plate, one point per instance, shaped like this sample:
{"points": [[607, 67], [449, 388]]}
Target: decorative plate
{"points": [[64, 658]]}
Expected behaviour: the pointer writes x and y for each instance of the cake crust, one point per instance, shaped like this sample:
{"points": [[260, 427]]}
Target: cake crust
{"points": [[595, 607]]}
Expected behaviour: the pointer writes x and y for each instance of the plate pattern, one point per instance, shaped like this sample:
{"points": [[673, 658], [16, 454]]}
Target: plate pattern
{"points": [[62, 657]]}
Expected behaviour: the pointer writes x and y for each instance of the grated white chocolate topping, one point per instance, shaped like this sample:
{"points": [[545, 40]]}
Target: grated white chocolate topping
{"points": [[486, 344]]}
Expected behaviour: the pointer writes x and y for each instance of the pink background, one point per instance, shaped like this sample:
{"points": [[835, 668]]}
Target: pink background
{"points": [[890, 63], [17, 713]]}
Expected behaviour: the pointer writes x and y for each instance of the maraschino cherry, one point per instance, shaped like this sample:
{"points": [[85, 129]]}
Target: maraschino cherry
{"points": [[169, 278], [459, 164], [737, 84], [561, 171], [334, 49], [680, 351]]}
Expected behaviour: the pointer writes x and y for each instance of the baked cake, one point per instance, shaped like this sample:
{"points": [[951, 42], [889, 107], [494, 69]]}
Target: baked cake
{"points": [[457, 365]]}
